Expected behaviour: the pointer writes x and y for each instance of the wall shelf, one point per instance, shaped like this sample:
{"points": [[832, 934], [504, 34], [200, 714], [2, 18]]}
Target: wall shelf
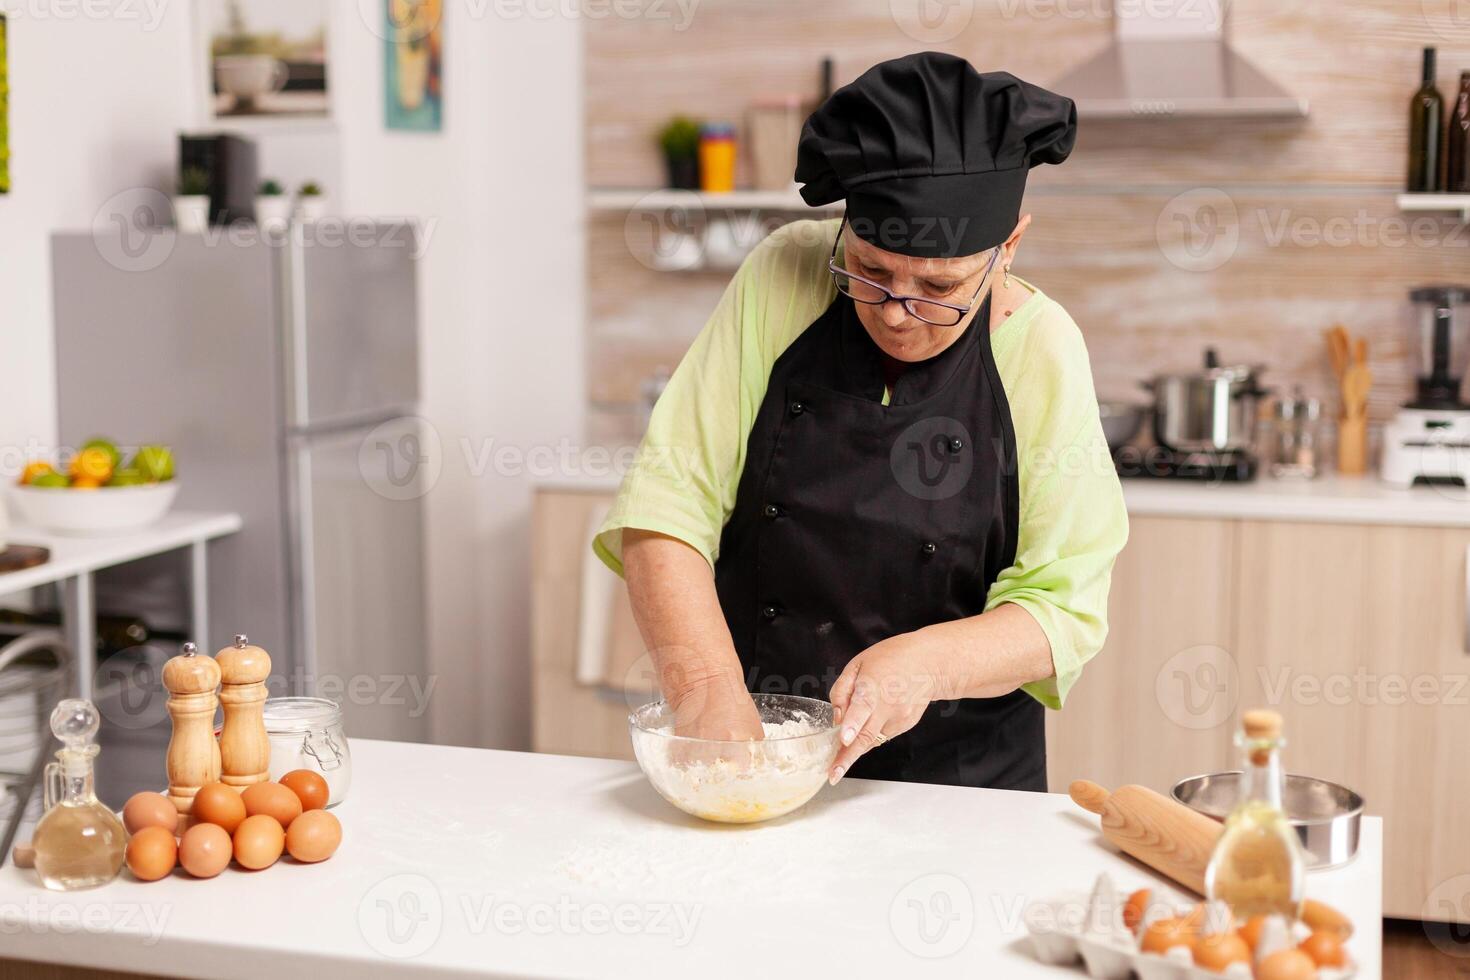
{"points": [[1455, 203], [651, 199]]}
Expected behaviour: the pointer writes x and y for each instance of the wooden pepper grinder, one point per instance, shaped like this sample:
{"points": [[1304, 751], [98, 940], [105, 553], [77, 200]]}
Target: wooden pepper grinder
{"points": [[245, 751], [193, 755]]}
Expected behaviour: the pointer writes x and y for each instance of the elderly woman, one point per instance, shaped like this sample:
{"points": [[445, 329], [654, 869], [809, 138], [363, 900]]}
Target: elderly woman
{"points": [[879, 474]]}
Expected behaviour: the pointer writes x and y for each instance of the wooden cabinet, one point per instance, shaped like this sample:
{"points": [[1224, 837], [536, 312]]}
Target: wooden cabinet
{"points": [[1357, 633], [1156, 703], [568, 717], [1416, 716]]}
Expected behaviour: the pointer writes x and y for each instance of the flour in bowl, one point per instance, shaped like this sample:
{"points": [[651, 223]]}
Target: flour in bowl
{"points": [[746, 781]]}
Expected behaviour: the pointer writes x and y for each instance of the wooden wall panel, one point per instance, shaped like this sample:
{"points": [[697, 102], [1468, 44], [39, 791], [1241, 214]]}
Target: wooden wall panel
{"points": [[1356, 62], [1307, 230], [1279, 271]]}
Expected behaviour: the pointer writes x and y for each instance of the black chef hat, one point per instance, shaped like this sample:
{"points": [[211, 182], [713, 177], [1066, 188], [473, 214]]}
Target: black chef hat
{"points": [[930, 154]]}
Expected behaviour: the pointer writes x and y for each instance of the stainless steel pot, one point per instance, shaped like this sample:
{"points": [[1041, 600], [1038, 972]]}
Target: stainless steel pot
{"points": [[1212, 410], [1324, 815]]}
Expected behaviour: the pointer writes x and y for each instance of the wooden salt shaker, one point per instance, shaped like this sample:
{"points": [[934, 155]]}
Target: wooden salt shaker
{"points": [[193, 755], [245, 751]]}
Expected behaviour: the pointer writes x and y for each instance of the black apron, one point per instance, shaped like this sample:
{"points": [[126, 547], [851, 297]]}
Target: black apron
{"points": [[855, 521]]}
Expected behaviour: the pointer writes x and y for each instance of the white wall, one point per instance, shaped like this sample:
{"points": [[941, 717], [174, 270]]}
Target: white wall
{"points": [[500, 195], [95, 109]]}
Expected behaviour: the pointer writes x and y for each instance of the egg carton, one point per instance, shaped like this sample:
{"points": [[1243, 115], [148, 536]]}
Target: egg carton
{"points": [[1109, 951]]}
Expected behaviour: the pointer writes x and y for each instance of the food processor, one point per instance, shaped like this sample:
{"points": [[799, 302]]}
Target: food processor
{"points": [[1429, 440]]}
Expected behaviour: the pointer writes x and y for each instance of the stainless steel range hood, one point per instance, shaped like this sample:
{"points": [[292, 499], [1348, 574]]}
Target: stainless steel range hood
{"points": [[1170, 60]]}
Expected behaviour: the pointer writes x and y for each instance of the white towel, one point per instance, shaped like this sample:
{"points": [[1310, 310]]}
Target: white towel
{"points": [[599, 587]]}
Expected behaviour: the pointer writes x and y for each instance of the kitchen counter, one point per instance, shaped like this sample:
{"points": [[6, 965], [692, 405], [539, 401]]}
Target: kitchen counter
{"points": [[470, 861], [1330, 499]]}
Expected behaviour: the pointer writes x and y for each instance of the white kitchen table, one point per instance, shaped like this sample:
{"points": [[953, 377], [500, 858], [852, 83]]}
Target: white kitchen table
{"points": [[74, 559], [477, 862]]}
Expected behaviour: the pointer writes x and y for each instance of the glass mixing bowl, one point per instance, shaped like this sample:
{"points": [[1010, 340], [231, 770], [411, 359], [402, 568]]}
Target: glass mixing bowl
{"points": [[739, 782]]}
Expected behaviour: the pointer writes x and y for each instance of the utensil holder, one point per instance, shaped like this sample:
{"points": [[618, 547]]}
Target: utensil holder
{"points": [[1352, 446]]}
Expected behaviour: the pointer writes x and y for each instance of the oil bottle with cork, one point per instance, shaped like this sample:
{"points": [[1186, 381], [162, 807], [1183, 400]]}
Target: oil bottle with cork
{"points": [[1257, 867]]}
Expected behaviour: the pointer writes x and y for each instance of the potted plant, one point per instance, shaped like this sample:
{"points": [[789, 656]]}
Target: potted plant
{"points": [[679, 141], [272, 206], [311, 205], [191, 203]]}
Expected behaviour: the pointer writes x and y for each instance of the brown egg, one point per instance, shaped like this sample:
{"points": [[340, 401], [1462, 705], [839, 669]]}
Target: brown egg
{"points": [[220, 805], [258, 841], [205, 850], [1134, 908], [149, 810], [313, 836], [1287, 964], [1165, 934], [1251, 931], [273, 800], [310, 788], [1217, 951], [151, 853], [1325, 949]]}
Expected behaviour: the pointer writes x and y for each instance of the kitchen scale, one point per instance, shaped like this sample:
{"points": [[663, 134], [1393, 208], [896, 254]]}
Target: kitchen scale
{"points": [[1429, 440]]}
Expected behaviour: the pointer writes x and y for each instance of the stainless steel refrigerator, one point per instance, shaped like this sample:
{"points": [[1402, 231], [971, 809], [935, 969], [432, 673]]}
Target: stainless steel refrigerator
{"points": [[285, 377]]}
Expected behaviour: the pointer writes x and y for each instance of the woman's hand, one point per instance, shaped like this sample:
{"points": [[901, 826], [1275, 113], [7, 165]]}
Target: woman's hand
{"points": [[882, 693], [715, 707], [718, 708]]}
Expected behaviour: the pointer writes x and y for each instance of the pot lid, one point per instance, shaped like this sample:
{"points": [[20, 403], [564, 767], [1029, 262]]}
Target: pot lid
{"points": [[1215, 371]]}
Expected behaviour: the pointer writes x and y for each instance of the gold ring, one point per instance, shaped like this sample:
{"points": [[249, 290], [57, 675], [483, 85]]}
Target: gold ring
{"points": [[879, 738]]}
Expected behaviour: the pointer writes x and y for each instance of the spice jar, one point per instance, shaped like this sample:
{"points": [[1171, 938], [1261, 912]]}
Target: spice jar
{"points": [[307, 733], [717, 157], [1296, 437]]}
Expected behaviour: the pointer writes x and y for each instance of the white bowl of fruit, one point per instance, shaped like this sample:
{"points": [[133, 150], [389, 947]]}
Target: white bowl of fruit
{"points": [[100, 490]]}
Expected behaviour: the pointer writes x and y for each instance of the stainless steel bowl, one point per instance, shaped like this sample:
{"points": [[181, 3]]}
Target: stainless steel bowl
{"points": [[1324, 815], [1120, 422]]}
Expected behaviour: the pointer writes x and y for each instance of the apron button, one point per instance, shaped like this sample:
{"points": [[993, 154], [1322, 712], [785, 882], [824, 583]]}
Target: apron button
{"points": [[797, 408], [955, 445], [771, 511], [930, 547], [769, 612]]}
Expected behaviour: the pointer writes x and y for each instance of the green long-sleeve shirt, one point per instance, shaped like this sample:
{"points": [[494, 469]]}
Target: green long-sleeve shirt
{"points": [[1072, 520]]}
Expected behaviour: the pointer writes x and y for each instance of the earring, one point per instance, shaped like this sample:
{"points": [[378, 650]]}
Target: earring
{"points": [[1007, 283]]}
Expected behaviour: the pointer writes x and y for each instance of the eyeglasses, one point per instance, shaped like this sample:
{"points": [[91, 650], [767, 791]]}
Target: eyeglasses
{"points": [[931, 311]]}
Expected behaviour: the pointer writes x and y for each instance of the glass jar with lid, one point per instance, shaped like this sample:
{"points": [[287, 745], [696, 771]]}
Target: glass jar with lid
{"points": [[307, 733]]}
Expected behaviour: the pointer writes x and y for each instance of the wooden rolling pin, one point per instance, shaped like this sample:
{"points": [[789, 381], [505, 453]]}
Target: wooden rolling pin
{"points": [[1174, 840]]}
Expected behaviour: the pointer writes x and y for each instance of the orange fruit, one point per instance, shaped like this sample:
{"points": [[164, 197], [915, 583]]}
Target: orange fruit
{"points": [[93, 463], [34, 469], [85, 483]]}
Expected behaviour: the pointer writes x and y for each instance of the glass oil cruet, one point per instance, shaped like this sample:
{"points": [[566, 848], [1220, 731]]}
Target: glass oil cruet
{"points": [[1257, 866], [79, 842]]}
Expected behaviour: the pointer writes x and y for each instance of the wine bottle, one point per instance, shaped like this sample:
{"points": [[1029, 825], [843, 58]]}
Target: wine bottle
{"points": [[114, 632], [1457, 149], [1426, 120]]}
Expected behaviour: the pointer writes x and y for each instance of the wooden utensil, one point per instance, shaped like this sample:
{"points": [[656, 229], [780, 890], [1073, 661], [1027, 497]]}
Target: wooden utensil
{"points": [[1337, 347], [245, 749], [1355, 382], [1173, 840], [193, 758]]}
